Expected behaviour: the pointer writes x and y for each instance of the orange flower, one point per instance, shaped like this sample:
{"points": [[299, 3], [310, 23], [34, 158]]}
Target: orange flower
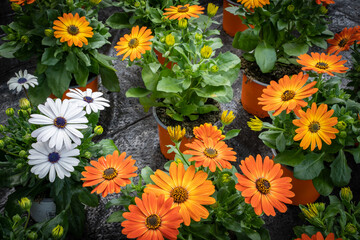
{"points": [[315, 125], [22, 2], [262, 185], [254, 3], [325, 2], [189, 190], [208, 131], [318, 236], [135, 44], [357, 34], [110, 173], [72, 29], [152, 218], [288, 94], [322, 63], [185, 11], [341, 41], [211, 153]]}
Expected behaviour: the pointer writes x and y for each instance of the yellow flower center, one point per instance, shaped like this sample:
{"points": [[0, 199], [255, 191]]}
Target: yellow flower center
{"points": [[133, 43], [179, 194], [210, 152], [322, 65], [73, 30], [263, 185], [183, 9], [109, 173], [314, 127], [153, 221], [343, 42], [287, 95]]}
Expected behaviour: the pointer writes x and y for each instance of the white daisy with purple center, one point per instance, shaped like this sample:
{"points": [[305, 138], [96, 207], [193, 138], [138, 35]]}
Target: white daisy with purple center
{"points": [[22, 79], [92, 101]]}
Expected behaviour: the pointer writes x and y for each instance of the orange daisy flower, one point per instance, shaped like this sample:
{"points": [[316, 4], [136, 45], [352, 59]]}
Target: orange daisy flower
{"points": [[208, 131], [152, 218], [341, 41], [254, 3], [189, 190], [325, 2], [262, 185], [135, 44], [73, 29], [322, 63], [110, 173], [357, 34], [211, 153], [318, 236], [315, 125], [185, 11], [288, 94], [22, 2]]}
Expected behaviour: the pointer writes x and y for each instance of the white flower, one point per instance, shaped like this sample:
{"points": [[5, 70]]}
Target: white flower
{"points": [[91, 100], [62, 119], [50, 161], [22, 80]]}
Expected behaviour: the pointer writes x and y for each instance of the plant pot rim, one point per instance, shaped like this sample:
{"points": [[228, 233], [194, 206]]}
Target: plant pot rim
{"points": [[233, 3], [90, 80], [157, 118], [256, 81]]}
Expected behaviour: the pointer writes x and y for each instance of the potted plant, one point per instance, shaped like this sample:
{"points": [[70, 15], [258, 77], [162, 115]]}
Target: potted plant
{"points": [[282, 31], [184, 90], [65, 38]]}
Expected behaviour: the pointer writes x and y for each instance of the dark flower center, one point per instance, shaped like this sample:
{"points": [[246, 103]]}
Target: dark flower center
{"points": [[183, 9], [210, 152], [153, 222], [60, 122], [88, 99], [179, 194], [263, 185], [53, 157], [109, 173], [343, 42], [287, 95], [322, 65], [133, 43], [314, 127], [22, 80], [73, 30]]}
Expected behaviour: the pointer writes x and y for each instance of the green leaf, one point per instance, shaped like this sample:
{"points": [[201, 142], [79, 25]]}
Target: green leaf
{"points": [[122, 201], [146, 172], [289, 157], [71, 62], [83, 57], [280, 142], [232, 133], [118, 20], [97, 41], [246, 40], [81, 75], [137, 92], [269, 138], [211, 91], [8, 49], [109, 79], [48, 57], [169, 85], [88, 199], [217, 80], [295, 49], [356, 153], [207, 108], [48, 41], [340, 171], [39, 93], [310, 168], [323, 183], [116, 217], [108, 147], [227, 61], [58, 79], [154, 66], [265, 56], [149, 77]]}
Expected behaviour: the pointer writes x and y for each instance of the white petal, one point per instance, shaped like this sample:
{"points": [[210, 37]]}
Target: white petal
{"points": [[52, 173], [69, 153], [53, 107], [40, 119], [59, 170], [47, 133], [66, 166], [73, 137], [71, 161], [47, 111], [37, 161], [64, 107], [88, 109]]}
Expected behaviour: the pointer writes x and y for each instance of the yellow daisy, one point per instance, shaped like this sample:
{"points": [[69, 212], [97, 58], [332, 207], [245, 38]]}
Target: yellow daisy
{"points": [[185, 11], [254, 3]]}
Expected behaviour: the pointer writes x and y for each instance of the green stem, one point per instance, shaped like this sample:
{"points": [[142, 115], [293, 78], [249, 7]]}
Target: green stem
{"points": [[27, 220], [318, 85], [16, 155], [177, 145]]}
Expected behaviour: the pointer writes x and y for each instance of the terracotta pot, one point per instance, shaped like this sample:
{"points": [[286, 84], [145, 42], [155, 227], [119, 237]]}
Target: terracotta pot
{"points": [[164, 139], [161, 59], [232, 23], [304, 190], [93, 83], [43, 210], [250, 92]]}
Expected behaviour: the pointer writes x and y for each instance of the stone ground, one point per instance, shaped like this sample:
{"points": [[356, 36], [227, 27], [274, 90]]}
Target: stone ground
{"points": [[135, 131]]}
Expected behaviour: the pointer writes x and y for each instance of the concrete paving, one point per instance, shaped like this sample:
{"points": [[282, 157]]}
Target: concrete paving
{"points": [[135, 131]]}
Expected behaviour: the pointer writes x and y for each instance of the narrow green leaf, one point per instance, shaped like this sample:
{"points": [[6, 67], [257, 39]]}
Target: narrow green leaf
{"points": [[137, 92], [232, 133], [265, 56]]}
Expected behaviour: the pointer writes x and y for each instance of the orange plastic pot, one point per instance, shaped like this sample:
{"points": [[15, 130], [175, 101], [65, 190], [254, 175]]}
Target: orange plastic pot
{"points": [[251, 91], [92, 83], [232, 23], [164, 139]]}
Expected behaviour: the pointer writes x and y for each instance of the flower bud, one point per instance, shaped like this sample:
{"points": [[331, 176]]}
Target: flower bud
{"points": [[87, 155], [346, 194], [15, 7], [24, 39], [23, 113], [323, 10], [178, 160], [320, 206], [176, 133], [212, 9], [11, 37], [24, 103], [16, 218], [2, 128], [32, 236], [290, 8], [22, 153], [2, 144], [170, 40], [137, 4], [255, 124], [350, 229], [225, 178], [206, 52], [341, 125], [49, 32], [69, 2], [10, 112], [143, 3], [183, 23], [25, 204], [198, 36], [162, 39], [214, 69], [19, 165], [98, 130], [27, 137], [342, 134], [95, 2], [57, 232], [227, 117]]}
